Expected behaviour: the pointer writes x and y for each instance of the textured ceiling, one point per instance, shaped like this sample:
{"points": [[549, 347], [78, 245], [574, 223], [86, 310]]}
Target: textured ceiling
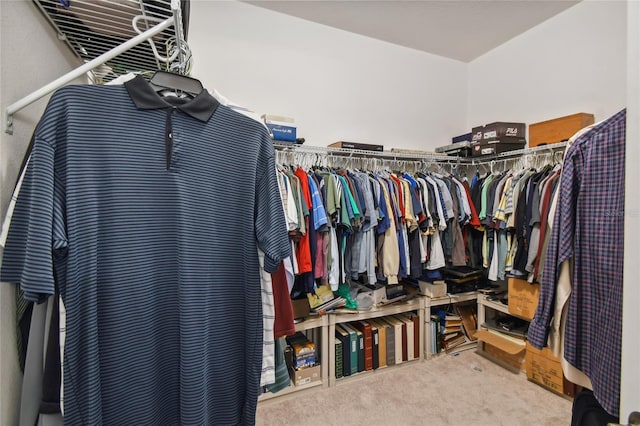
{"points": [[462, 30]]}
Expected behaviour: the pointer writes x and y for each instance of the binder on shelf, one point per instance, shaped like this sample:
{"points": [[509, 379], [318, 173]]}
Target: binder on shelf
{"points": [[438, 334], [434, 324], [354, 346], [408, 337], [391, 341], [365, 328], [382, 342], [404, 340], [397, 338], [360, 350], [338, 348], [375, 346], [415, 319], [345, 338]]}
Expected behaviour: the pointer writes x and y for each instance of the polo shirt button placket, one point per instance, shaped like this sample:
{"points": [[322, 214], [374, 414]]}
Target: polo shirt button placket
{"points": [[169, 137]]}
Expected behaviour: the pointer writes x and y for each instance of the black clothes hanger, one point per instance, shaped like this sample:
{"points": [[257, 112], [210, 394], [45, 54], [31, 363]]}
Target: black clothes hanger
{"points": [[163, 81]]}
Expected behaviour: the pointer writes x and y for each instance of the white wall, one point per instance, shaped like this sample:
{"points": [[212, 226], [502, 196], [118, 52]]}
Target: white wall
{"points": [[573, 62], [30, 57], [337, 85]]}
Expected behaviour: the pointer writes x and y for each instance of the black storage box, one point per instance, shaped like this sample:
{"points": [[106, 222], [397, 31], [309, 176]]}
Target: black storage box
{"points": [[459, 149], [497, 146], [356, 145], [500, 129], [476, 134]]}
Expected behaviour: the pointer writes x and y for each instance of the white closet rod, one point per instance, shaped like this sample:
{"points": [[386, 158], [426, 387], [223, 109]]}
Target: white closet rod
{"points": [[83, 69], [463, 161], [344, 152]]}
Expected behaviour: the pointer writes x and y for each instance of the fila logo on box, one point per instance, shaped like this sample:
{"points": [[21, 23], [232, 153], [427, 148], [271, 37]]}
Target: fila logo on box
{"points": [[511, 131]]}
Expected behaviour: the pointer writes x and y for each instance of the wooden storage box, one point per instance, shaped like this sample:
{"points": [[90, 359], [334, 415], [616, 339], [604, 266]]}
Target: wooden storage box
{"points": [[559, 129], [506, 351], [544, 369], [523, 298]]}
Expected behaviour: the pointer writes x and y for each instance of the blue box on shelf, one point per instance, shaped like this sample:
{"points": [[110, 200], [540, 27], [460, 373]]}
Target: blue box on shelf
{"points": [[281, 132], [462, 138]]}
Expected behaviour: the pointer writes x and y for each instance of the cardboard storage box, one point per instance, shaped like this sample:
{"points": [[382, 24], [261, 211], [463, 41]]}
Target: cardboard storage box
{"points": [[523, 298], [378, 292], [300, 307], [304, 350], [503, 349], [304, 376], [559, 129], [544, 369], [434, 289]]}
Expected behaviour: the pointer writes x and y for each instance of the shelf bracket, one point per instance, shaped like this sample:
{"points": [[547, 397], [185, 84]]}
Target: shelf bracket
{"points": [[83, 69]]}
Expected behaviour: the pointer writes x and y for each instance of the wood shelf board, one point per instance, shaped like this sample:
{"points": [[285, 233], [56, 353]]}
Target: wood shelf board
{"points": [[287, 391], [452, 298], [342, 316], [311, 322]]}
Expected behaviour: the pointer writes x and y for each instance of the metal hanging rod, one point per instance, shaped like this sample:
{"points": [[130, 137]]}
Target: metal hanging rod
{"points": [[343, 152]]}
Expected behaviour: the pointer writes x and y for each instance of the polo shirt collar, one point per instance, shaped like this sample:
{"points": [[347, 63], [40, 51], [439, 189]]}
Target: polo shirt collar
{"points": [[143, 96]]}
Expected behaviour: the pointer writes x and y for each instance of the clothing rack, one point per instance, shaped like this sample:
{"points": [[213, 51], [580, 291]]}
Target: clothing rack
{"points": [[174, 20], [306, 152]]}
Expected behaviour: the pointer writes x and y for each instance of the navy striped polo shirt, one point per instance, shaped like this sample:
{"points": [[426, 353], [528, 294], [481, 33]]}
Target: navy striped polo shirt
{"points": [[147, 218]]}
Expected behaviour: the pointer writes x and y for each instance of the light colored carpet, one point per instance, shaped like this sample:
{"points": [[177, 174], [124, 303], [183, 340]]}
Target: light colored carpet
{"points": [[466, 389]]}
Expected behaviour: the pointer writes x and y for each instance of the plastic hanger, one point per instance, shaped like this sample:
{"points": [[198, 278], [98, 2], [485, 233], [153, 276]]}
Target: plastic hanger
{"points": [[163, 81]]}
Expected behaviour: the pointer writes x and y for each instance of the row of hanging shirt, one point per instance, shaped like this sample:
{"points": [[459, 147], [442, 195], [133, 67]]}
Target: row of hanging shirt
{"points": [[348, 225], [514, 208]]}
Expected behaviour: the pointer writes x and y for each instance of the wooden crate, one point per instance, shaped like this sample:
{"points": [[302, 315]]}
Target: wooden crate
{"points": [[558, 129], [523, 298], [509, 354]]}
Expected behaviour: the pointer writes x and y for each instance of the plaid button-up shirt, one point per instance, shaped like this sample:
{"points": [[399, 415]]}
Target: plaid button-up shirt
{"points": [[589, 227]]}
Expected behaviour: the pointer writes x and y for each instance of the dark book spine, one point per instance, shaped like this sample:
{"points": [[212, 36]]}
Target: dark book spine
{"points": [[375, 348], [339, 366], [360, 352]]}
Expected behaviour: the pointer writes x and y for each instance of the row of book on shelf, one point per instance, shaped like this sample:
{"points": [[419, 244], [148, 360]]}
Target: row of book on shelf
{"points": [[376, 343], [452, 330]]}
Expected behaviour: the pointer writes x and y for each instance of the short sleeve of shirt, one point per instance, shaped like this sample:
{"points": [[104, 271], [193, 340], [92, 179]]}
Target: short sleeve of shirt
{"points": [[37, 227], [270, 226]]}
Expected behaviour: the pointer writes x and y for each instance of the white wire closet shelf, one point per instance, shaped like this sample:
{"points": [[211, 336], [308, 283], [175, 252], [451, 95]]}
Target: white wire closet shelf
{"points": [[111, 55], [92, 27]]}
